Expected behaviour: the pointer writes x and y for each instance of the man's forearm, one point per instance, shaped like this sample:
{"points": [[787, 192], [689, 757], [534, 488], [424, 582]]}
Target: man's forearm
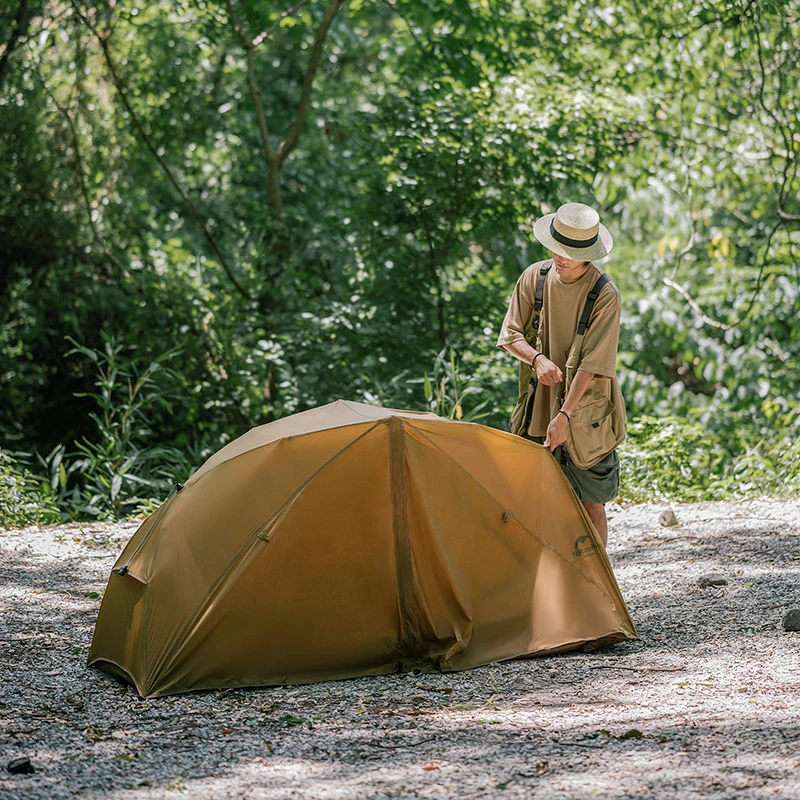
{"points": [[580, 383], [521, 350]]}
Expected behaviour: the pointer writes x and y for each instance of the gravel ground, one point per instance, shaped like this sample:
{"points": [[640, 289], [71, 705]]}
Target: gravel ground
{"points": [[706, 704]]}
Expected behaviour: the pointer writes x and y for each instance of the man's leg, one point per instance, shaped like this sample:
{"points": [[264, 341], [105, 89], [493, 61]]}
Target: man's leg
{"points": [[597, 514]]}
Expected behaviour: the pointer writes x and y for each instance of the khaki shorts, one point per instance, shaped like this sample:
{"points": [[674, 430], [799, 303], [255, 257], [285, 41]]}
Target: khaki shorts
{"points": [[598, 484]]}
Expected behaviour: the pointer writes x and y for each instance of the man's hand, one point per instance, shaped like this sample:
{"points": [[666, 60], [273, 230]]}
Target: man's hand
{"points": [[547, 372], [556, 431]]}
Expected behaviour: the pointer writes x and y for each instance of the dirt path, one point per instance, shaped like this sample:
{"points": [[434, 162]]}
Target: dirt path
{"points": [[706, 704]]}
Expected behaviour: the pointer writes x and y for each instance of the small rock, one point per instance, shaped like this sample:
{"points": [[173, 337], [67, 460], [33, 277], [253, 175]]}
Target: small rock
{"points": [[633, 733], [20, 766], [711, 580], [791, 622], [668, 519]]}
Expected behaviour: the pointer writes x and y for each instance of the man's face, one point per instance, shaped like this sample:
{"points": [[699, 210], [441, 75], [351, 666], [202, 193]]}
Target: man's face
{"points": [[568, 269]]}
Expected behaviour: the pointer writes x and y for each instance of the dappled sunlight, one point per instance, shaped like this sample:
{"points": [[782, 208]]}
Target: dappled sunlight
{"points": [[220, 219], [350, 763], [702, 706]]}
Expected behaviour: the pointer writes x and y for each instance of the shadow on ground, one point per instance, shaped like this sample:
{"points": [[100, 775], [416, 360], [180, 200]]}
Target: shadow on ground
{"points": [[700, 707]]}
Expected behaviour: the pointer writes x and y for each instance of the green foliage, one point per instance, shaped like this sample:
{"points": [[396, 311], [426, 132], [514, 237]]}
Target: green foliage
{"points": [[145, 200], [675, 458], [23, 499], [119, 470], [446, 390]]}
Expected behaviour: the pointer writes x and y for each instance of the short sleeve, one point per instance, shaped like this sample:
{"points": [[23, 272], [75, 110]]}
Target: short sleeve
{"points": [[519, 310], [599, 352]]}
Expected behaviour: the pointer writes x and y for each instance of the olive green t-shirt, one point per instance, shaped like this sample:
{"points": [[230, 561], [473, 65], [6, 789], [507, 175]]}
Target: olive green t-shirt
{"points": [[561, 310]]}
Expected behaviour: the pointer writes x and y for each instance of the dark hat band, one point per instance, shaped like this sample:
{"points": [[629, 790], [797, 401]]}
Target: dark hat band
{"points": [[565, 240]]}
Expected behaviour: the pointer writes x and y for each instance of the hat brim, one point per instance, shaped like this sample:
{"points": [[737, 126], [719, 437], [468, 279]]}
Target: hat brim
{"points": [[602, 247]]}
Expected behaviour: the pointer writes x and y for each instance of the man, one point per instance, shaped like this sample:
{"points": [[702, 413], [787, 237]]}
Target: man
{"points": [[547, 406]]}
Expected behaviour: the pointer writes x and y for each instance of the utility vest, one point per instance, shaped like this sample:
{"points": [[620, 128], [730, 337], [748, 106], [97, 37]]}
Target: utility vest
{"points": [[598, 424]]}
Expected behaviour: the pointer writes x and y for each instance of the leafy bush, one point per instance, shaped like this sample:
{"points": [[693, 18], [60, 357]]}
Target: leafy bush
{"points": [[677, 458], [446, 390], [23, 499], [122, 469]]}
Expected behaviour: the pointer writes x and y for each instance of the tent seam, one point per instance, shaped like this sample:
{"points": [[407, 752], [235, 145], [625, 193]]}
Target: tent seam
{"points": [[410, 629], [190, 480], [183, 635], [512, 515], [431, 418]]}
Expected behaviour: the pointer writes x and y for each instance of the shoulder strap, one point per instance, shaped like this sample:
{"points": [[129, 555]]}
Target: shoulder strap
{"points": [[591, 299], [575, 351], [526, 372], [538, 299], [532, 328]]}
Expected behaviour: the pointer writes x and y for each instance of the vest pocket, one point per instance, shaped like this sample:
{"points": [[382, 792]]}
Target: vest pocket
{"points": [[590, 433]]}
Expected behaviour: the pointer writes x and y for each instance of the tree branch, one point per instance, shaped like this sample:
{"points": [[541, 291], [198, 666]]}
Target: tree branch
{"points": [[103, 41], [748, 156], [275, 157], [785, 215], [76, 146], [261, 117], [742, 317], [760, 277], [763, 85], [693, 305], [788, 140], [98, 238], [20, 24], [287, 145], [267, 33], [790, 163], [427, 50], [434, 271]]}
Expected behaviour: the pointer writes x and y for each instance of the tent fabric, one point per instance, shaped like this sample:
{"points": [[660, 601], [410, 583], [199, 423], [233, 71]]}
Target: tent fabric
{"points": [[353, 540]]}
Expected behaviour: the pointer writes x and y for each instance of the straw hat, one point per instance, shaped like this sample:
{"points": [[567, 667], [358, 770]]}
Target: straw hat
{"points": [[574, 231]]}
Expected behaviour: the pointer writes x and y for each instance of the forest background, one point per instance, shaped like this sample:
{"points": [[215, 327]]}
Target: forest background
{"points": [[216, 213]]}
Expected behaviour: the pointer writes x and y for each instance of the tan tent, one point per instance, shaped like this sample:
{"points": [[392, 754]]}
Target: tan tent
{"points": [[354, 540]]}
